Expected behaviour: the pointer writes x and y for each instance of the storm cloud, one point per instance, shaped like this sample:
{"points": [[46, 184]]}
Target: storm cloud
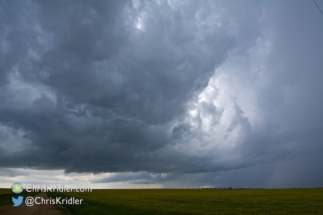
{"points": [[156, 90]]}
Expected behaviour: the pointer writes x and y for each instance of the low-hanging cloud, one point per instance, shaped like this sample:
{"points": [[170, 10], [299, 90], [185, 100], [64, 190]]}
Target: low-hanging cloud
{"points": [[157, 86]]}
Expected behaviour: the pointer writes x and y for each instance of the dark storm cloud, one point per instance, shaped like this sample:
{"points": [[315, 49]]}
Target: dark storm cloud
{"points": [[162, 87], [101, 90]]}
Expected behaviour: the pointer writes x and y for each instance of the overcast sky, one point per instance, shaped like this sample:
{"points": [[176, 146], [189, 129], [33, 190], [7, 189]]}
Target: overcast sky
{"points": [[130, 94]]}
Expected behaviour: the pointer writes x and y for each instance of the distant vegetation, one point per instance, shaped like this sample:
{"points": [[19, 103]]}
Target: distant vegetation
{"points": [[198, 201]]}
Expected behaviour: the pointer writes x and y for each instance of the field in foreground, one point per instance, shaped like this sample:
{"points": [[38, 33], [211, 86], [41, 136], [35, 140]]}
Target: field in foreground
{"points": [[178, 201]]}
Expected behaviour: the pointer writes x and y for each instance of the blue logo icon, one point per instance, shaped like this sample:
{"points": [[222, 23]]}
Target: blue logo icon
{"points": [[17, 187], [16, 202]]}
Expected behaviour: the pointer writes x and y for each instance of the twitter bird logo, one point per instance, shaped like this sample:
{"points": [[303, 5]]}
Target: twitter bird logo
{"points": [[16, 202]]}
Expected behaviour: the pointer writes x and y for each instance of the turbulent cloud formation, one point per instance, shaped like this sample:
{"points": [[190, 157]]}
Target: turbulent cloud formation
{"points": [[159, 89]]}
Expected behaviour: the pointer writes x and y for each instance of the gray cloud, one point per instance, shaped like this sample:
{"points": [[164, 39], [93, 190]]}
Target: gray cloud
{"points": [[158, 87]]}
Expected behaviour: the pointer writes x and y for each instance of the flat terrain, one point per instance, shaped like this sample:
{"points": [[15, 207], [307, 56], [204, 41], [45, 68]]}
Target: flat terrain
{"points": [[5, 191], [198, 201]]}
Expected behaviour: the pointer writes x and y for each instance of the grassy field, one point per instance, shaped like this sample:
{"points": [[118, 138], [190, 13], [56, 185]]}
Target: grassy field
{"points": [[5, 191], [178, 201], [7, 194]]}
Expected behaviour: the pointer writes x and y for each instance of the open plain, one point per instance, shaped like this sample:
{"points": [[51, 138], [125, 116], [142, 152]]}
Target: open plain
{"points": [[198, 201]]}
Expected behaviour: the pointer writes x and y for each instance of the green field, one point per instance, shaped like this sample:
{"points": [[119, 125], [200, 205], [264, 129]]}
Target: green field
{"points": [[198, 201]]}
